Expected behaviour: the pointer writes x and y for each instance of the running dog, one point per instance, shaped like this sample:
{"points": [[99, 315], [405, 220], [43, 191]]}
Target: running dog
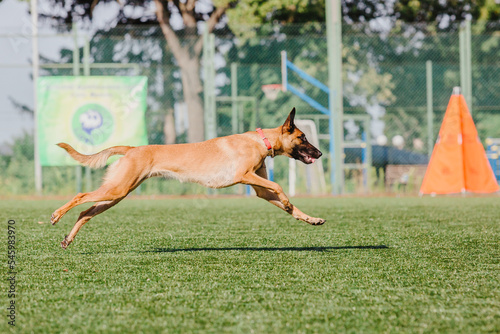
{"points": [[215, 163]]}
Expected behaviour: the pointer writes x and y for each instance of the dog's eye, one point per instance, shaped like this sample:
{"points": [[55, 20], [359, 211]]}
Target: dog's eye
{"points": [[303, 137]]}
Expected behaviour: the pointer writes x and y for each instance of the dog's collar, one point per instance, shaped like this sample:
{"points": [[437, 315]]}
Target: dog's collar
{"points": [[266, 141]]}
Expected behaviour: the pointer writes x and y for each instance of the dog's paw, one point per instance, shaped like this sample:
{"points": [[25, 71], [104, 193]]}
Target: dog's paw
{"points": [[55, 218], [316, 221], [65, 243]]}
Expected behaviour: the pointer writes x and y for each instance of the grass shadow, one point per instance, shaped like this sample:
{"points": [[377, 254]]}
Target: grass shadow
{"points": [[262, 249]]}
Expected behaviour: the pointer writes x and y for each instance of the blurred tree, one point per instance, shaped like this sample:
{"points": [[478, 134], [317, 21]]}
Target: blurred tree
{"points": [[128, 44], [180, 24], [445, 12], [376, 68], [442, 12], [180, 20], [144, 45], [364, 84]]}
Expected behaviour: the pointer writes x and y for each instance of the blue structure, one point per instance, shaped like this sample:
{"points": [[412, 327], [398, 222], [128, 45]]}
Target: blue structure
{"points": [[286, 86], [285, 66], [316, 83], [493, 154]]}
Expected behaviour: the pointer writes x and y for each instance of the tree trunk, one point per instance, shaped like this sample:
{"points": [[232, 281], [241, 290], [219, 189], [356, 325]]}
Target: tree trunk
{"points": [[169, 127], [188, 58], [192, 89]]}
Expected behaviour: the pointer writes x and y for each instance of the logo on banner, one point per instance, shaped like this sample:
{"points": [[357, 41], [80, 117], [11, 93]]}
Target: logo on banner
{"points": [[92, 124]]}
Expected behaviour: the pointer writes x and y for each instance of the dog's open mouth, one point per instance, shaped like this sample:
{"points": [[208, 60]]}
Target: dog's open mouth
{"points": [[307, 156], [308, 159]]}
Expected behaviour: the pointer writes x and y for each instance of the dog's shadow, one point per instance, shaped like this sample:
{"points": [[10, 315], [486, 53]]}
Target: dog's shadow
{"points": [[263, 249]]}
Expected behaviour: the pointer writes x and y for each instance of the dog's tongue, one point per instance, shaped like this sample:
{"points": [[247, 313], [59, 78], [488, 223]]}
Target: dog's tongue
{"points": [[312, 160]]}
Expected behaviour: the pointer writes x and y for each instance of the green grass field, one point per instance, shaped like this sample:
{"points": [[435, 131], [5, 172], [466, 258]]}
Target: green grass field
{"points": [[388, 265]]}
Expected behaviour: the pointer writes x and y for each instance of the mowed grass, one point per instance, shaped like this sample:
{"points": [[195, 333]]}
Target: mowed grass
{"points": [[240, 265]]}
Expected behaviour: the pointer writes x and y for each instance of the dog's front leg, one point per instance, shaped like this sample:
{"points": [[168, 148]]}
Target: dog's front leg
{"points": [[256, 180], [274, 194]]}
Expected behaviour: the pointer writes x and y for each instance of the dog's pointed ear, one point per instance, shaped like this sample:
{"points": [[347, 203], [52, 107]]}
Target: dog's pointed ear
{"points": [[289, 125]]}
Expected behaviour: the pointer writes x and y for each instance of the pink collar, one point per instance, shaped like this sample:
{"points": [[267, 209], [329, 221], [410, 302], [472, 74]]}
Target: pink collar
{"points": [[266, 141]]}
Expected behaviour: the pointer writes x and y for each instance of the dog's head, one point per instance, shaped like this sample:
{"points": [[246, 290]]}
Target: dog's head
{"points": [[295, 144]]}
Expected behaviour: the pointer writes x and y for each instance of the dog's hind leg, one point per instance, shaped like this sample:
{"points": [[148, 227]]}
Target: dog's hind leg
{"points": [[104, 193], [121, 179], [85, 216], [272, 197]]}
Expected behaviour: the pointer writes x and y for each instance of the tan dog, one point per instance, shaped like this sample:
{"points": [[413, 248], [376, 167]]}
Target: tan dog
{"points": [[215, 163]]}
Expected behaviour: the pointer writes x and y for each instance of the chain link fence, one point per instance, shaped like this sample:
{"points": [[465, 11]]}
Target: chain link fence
{"points": [[385, 77]]}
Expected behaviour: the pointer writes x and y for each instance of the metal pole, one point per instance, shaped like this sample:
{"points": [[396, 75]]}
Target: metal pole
{"points": [[335, 101], [210, 117], [461, 43], [76, 51], [331, 83], [206, 82], [338, 98], [468, 62], [76, 72], [430, 111], [234, 98], [209, 85], [366, 168], [284, 72], [36, 61], [86, 72], [86, 57], [292, 177], [465, 63], [369, 159], [213, 106]]}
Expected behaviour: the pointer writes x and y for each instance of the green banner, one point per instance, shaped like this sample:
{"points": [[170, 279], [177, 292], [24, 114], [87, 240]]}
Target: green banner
{"points": [[90, 114]]}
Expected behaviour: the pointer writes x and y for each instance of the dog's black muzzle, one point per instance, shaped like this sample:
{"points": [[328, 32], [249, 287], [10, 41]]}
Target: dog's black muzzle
{"points": [[306, 153]]}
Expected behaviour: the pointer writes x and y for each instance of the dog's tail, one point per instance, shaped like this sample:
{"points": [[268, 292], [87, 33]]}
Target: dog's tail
{"points": [[97, 160]]}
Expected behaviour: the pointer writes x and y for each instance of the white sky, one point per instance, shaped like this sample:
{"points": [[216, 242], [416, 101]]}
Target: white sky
{"points": [[15, 81], [15, 61]]}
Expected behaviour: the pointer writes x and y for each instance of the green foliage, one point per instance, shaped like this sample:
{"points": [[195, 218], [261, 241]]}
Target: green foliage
{"points": [[379, 265], [445, 14], [487, 124], [17, 177], [18, 167], [435, 10], [257, 12], [383, 71]]}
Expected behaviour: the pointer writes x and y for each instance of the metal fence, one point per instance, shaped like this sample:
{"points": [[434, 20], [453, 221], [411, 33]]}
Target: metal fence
{"points": [[399, 79]]}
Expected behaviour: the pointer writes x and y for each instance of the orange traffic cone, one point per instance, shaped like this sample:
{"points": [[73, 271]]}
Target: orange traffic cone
{"points": [[458, 162]]}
